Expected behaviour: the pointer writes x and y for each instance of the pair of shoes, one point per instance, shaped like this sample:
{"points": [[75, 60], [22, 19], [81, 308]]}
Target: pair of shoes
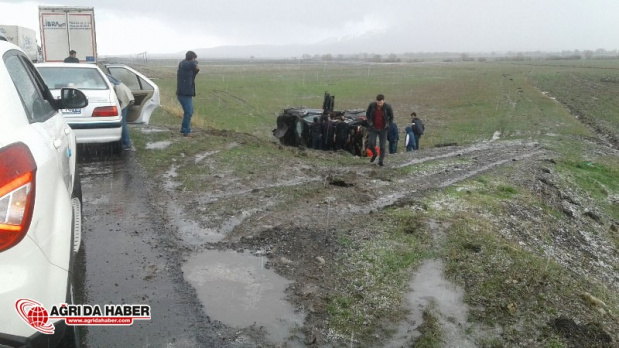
{"points": [[188, 135], [373, 159], [129, 148], [380, 164]]}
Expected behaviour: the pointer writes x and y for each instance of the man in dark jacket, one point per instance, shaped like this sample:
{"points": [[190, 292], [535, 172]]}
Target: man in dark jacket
{"points": [[72, 58], [341, 134], [418, 128], [328, 134], [186, 89], [379, 117], [316, 132]]}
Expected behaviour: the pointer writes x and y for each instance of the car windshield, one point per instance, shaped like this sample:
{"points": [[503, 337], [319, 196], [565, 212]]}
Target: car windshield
{"points": [[82, 78]]}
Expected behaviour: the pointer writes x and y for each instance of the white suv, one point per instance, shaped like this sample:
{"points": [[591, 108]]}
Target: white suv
{"points": [[40, 199]]}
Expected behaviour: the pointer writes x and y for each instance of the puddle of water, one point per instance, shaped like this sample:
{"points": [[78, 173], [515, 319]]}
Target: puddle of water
{"points": [[169, 184], [431, 289], [237, 290], [159, 145]]}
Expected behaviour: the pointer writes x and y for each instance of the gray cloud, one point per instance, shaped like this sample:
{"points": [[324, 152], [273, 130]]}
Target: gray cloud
{"points": [[388, 26]]}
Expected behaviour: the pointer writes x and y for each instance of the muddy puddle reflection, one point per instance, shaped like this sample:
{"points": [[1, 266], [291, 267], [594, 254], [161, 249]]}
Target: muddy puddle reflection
{"points": [[431, 291], [237, 290]]}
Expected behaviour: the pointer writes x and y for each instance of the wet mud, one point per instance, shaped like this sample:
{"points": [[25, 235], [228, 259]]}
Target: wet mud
{"points": [[129, 257]]}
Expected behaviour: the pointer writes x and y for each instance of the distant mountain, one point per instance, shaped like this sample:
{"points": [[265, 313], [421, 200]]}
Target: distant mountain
{"points": [[370, 43]]}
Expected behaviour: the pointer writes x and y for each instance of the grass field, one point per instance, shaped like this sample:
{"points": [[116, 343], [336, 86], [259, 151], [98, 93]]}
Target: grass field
{"points": [[460, 103], [567, 107]]}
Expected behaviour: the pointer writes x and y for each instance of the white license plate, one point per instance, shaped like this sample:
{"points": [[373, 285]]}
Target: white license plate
{"points": [[71, 111]]}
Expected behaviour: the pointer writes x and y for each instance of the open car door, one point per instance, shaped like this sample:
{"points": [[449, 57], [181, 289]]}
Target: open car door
{"points": [[145, 92]]}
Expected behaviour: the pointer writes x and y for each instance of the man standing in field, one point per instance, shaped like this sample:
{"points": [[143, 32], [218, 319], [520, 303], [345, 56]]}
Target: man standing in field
{"points": [[379, 116], [186, 89], [418, 128]]}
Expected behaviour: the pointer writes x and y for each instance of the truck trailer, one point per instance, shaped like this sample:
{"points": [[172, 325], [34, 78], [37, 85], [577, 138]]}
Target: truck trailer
{"points": [[25, 38], [65, 28]]}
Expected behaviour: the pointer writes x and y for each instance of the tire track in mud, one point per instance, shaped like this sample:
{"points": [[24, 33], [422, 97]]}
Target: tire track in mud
{"points": [[447, 176], [443, 172]]}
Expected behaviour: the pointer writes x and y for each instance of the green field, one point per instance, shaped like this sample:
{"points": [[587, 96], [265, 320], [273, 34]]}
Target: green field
{"points": [[569, 108], [460, 102]]}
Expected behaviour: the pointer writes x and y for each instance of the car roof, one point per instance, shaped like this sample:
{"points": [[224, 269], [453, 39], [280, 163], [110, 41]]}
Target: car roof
{"points": [[68, 65], [6, 45]]}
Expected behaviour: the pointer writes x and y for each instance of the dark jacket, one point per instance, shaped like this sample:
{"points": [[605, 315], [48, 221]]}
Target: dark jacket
{"points": [[185, 78], [392, 133], [387, 114], [418, 126]]}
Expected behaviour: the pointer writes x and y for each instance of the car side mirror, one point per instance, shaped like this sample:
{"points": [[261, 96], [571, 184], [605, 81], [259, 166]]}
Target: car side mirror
{"points": [[72, 98]]}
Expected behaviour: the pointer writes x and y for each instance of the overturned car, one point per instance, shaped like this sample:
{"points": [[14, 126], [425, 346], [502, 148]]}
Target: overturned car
{"points": [[294, 128]]}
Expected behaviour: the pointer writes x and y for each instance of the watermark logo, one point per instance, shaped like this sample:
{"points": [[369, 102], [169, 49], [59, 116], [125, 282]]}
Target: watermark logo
{"points": [[35, 315], [39, 318]]}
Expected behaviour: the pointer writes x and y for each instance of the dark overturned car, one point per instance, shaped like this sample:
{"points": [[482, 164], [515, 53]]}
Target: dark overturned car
{"points": [[294, 127]]}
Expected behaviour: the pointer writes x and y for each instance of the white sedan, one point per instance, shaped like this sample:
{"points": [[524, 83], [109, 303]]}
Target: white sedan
{"points": [[101, 121]]}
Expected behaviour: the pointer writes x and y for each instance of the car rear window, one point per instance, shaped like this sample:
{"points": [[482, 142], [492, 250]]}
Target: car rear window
{"points": [[82, 78]]}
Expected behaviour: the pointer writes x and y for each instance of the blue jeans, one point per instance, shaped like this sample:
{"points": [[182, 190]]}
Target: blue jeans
{"points": [[124, 135], [382, 140], [187, 104], [393, 146]]}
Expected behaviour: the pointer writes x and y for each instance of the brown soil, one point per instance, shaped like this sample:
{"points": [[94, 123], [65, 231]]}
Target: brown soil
{"points": [[301, 239]]}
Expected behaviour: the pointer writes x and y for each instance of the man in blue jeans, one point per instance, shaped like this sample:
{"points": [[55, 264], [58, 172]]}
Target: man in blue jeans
{"points": [[186, 89], [379, 117]]}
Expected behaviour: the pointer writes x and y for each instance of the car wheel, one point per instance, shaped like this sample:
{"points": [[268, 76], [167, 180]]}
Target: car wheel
{"points": [[71, 336]]}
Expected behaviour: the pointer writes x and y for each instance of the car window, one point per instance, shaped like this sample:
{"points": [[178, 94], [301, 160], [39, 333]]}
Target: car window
{"points": [[38, 109], [133, 81], [82, 78]]}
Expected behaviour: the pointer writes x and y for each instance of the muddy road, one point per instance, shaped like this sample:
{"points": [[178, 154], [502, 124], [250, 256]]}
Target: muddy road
{"points": [[127, 257]]}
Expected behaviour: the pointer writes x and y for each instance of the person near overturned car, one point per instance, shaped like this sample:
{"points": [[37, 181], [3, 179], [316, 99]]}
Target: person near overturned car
{"points": [[72, 58], [341, 134], [392, 138], [186, 88], [379, 117], [316, 132], [328, 133], [418, 128]]}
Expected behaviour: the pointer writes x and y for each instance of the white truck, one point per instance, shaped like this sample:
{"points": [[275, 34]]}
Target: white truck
{"points": [[65, 28], [25, 38]]}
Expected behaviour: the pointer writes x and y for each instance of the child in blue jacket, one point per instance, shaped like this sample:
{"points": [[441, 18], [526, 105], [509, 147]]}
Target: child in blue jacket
{"points": [[410, 139]]}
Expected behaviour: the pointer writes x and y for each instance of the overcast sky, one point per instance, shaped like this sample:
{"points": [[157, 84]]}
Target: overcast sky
{"points": [[166, 26]]}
